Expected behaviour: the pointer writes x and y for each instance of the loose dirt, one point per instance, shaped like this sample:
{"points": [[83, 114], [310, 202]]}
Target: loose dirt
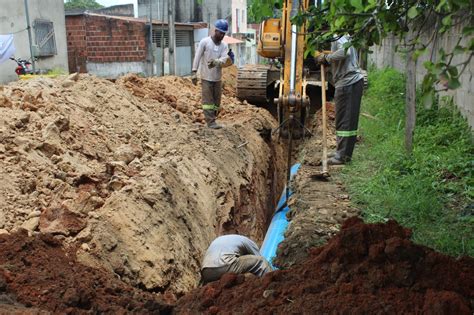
{"points": [[127, 173], [318, 207], [112, 191], [366, 268], [37, 272]]}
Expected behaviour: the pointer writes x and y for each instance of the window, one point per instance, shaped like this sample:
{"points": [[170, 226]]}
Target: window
{"points": [[44, 38]]}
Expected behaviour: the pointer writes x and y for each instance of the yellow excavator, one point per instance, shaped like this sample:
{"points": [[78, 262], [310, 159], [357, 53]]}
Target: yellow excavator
{"points": [[290, 86], [290, 83]]}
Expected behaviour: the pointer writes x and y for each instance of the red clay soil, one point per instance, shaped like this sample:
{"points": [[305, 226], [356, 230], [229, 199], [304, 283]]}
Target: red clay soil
{"points": [[366, 268], [37, 274]]}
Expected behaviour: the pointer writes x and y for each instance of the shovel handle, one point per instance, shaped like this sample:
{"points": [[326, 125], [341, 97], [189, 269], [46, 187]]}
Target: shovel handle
{"points": [[323, 99]]}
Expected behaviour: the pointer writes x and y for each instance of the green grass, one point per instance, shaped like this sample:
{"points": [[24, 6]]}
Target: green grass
{"points": [[430, 191]]}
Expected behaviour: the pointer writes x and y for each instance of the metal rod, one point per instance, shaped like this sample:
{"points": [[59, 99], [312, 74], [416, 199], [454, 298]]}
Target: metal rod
{"points": [[151, 39], [290, 148], [294, 37], [28, 27], [323, 96]]}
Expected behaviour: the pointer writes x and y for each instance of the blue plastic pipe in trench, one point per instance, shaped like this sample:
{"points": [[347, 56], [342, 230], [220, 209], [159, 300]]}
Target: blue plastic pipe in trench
{"points": [[276, 231]]}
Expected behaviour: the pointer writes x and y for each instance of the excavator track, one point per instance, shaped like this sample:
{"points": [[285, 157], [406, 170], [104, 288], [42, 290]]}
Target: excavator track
{"points": [[252, 83]]}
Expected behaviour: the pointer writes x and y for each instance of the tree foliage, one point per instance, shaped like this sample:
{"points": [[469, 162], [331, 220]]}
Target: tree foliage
{"points": [[82, 4]]}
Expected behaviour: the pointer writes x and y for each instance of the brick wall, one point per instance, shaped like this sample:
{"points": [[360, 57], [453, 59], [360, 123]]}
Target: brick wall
{"points": [[76, 43], [103, 39]]}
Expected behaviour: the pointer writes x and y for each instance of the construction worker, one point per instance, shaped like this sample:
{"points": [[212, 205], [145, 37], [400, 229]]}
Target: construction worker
{"points": [[211, 56], [349, 83], [232, 253]]}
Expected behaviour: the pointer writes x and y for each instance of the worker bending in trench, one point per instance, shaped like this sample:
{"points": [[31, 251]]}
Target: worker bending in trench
{"points": [[211, 56], [232, 253], [349, 83]]}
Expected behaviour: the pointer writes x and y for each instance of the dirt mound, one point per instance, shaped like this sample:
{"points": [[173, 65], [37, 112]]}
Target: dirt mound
{"points": [[366, 268], [126, 171], [229, 80], [37, 272]]}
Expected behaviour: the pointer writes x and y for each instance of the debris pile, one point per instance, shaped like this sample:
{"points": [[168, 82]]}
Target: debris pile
{"points": [[134, 182], [365, 268]]}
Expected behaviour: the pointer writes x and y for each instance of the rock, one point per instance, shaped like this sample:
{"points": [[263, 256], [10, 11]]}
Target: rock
{"points": [[3, 231], [59, 220], [67, 83], [116, 183], [31, 224], [151, 197], [136, 163], [86, 202], [73, 77], [5, 101], [85, 235], [125, 153], [85, 247], [62, 123], [25, 118], [50, 148], [51, 132], [34, 214], [113, 167]]}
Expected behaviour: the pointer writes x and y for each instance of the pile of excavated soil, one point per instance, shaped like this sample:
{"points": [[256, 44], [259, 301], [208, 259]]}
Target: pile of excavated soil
{"points": [[366, 268], [36, 272], [127, 173]]}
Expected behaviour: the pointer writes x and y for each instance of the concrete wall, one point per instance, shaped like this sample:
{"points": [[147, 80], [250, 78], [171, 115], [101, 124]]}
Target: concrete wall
{"points": [[239, 16], [385, 55], [186, 10], [192, 11], [105, 46], [118, 10], [12, 20]]}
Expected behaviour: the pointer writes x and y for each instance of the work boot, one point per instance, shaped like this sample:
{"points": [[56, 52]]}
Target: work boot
{"points": [[332, 154], [335, 161], [210, 116], [214, 125]]}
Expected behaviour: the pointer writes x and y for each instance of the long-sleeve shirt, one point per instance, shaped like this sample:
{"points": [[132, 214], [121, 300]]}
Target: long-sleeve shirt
{"points": [[207, 51], [344, 67], [225, 249]]}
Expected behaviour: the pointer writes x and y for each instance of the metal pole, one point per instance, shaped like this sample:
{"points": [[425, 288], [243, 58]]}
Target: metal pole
{"points": [[151, 40], [172, 36], [163, 38], [28, 27]]}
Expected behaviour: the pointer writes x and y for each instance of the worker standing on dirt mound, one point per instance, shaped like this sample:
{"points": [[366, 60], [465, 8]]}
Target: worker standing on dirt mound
{"points": [[211, 56], [232, 253], [349, 83]]}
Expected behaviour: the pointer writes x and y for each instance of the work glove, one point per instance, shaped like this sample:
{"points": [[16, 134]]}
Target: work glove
{"points": [[321, 59], [231, 55], [194, 78], [214, 63]]}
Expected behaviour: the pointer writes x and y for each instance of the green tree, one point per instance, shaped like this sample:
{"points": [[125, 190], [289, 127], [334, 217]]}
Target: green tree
{"points": [[82, 4]]}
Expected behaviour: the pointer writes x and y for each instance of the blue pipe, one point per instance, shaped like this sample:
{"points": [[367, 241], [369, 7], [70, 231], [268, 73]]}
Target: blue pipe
{"points": [[276, 231]]}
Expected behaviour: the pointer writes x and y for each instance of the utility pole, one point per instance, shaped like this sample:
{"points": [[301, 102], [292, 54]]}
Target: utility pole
{"points": [[172, 36], [28, 27], [150, 53], [163, 42]]}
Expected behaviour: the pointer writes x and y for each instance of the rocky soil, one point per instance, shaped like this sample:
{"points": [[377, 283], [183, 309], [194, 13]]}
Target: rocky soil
{"points": [[127, 173], [110, 193]]}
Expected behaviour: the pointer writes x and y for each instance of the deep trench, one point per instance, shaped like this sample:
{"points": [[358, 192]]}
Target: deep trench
{"points": [[275, 184]]}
